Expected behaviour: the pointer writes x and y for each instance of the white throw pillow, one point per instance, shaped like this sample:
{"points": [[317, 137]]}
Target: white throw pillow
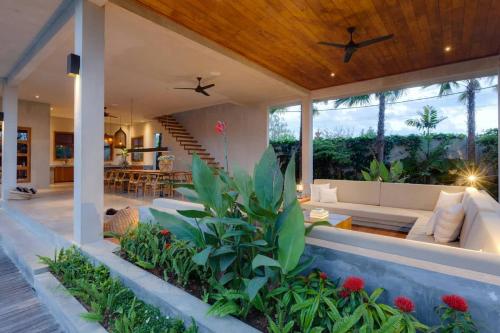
{"points": [[316, 191], [445, 200], [328, 195], [449, 223]]}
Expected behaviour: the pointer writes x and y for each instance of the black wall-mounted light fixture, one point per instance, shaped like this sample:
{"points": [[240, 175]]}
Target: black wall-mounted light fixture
{"points": [[73, 65]]}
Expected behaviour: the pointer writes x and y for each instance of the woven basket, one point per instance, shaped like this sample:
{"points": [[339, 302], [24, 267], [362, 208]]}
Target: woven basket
{"points": [[123, 221]]}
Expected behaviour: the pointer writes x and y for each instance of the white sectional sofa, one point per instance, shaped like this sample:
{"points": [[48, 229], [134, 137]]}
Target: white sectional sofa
{"points": [[408, 207]]}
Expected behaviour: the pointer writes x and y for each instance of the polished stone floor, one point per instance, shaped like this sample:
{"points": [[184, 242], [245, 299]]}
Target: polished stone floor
{"points": [[53, 207]]}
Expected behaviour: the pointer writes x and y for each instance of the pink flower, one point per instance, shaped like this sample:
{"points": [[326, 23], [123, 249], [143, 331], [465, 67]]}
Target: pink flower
{"points": [[456, 302], [353, 284], [404, 304], [323, 276], [220, 127]]}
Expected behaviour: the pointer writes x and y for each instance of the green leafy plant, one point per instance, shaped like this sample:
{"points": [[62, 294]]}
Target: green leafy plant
{"points": [[109, 302], [379, 172]]}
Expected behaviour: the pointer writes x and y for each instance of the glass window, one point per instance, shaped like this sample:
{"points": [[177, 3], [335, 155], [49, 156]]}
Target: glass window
{"points": [[63, 145]]}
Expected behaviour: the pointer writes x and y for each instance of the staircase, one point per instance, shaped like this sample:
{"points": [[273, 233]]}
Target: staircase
{"points": [[186, 140]]}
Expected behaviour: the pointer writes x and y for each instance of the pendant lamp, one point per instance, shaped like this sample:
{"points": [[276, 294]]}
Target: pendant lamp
{"points": [[120, 138]]}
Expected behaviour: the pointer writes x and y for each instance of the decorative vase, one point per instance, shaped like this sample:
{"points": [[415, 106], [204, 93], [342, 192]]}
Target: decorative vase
{"points": [[166, 165]]}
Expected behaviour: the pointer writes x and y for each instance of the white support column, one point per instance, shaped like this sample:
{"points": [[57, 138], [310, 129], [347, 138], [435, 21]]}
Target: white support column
{"points": [[9, 140], [307, 143], [498, 127], [89, 123]]}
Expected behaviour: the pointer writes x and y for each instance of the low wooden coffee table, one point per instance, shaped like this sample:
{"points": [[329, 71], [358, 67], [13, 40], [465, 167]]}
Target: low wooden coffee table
{"points": [[335, 220]]}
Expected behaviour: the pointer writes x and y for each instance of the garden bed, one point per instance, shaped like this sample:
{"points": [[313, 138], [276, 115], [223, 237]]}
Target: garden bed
{"points": [[107, 301]]}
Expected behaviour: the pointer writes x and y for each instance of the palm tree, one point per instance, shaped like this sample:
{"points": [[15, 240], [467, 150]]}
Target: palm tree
{"points": [[382, 98], [427, 121], [468, 97]]}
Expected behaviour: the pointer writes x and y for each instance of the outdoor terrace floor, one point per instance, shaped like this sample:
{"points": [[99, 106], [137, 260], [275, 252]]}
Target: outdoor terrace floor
{"points": [[53, 208]]}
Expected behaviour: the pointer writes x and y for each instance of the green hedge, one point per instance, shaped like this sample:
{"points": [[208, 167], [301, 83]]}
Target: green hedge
{"points": [[344, 158]]}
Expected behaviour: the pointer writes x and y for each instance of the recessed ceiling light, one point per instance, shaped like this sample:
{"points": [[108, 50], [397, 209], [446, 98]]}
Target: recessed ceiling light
{"points": [[51, 109], [447, 48], [332, 74], [37, 96]]}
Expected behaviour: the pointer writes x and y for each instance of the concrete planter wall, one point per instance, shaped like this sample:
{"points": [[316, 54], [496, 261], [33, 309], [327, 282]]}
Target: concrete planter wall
{"points": [[171, 301], [423, 282]]}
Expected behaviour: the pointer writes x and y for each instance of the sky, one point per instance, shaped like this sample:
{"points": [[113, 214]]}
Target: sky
{"points": [[352, 121]]}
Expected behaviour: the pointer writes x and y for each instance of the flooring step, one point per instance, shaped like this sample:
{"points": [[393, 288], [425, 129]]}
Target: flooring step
{"points": [[179, 132], [186, 140], [183, 136], [192, 152], [194, 146]]}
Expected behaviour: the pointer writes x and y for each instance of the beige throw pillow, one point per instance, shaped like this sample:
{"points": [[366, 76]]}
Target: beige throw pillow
{"points": [[328, 195], [316, 191], [449, 223], [445, 200]]}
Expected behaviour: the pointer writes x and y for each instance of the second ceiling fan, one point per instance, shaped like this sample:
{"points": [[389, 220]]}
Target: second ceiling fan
{"points": [[352, 46], [199, 88]]}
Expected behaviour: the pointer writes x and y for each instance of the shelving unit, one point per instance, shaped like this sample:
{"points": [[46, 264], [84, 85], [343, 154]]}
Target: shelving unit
{"points": [[23, 154]]}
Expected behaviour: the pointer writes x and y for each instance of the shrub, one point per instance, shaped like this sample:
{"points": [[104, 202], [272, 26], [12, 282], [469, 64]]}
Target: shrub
{"points": [[107, 300]]}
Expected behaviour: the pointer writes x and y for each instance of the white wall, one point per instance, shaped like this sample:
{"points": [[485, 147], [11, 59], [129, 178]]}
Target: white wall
{"points": [[246, 131], [37, 117]]}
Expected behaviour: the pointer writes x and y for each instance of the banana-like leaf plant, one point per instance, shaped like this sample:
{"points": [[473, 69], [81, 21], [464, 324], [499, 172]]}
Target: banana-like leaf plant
{"points": [[251, 231]]}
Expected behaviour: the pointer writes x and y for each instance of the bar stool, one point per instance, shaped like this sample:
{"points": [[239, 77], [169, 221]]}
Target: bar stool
{"points": [[134, 183]]}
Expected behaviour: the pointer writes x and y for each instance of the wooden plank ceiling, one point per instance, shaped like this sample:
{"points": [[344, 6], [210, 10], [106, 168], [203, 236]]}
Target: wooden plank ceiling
{"points": [[282, 35]]}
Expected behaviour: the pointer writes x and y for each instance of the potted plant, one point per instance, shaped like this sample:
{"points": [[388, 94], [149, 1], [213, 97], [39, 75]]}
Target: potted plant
{"points": [[166, 162]]}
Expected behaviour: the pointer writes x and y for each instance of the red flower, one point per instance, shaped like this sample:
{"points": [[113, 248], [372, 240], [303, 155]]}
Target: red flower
{"points": [[168, 246], [456, 302], [322, 275], [220, 127], [404, 304], [345, 293], [164, 232], [353, 283]]}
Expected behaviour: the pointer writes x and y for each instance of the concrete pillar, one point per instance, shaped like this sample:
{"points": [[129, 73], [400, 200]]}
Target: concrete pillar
{"points": [[89, 123], [9, 140], [307, 144]]}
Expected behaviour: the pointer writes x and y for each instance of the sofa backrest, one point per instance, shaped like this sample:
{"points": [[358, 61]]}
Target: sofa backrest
{"points": [[484, 233], [413, 196], [353, 191]]}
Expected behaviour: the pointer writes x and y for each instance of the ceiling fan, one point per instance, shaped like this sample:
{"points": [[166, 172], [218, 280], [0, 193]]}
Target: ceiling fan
{"points": [[107, 114], [352, 46], [199, 88]]}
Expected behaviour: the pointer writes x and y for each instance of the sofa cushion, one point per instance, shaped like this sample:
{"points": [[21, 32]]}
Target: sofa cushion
{"points": [[484, 233], [328, 195], [370, 215], [352, 191], [413, 196], [316, 191], [417, 233], [448, 224], [474, 202]]}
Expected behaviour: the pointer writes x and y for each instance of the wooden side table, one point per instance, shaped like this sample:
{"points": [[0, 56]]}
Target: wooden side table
{"points": [[303, 199], [335, 220]]}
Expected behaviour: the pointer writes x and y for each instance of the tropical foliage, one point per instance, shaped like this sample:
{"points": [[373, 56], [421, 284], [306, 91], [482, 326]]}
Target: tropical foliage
{"points": [[382, 98], [109, 302], [379, 172]]}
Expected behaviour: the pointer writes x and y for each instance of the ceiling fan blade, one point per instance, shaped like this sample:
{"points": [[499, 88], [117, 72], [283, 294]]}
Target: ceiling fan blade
{"points": [[375, 40], [186, 88], [337, 45], [208, 86], [348, 54], [204, 93]]}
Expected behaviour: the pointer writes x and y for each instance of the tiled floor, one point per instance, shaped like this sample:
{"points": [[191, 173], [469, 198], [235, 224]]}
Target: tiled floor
{"points": [[54, 207]]}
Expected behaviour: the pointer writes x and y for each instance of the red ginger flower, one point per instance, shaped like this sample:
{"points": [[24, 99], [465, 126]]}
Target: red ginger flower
{"points": [[168, 246], [165, 232], [220, 127], [345, 293], [323, 276], [456, 302], [404, 304], [353, 283]]}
